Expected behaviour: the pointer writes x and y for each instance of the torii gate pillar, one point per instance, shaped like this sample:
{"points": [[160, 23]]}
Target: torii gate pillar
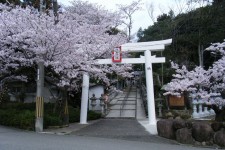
{"points": [[150, 89], [84, 99]]}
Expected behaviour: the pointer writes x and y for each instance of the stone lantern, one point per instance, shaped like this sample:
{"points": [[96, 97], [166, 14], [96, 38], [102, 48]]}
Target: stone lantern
{"points": [[200, 103], [159, 104], [102, 103], [93, 101]]}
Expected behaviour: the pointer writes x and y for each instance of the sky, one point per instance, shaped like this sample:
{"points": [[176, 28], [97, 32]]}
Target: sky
{"points": [[141, 18]]}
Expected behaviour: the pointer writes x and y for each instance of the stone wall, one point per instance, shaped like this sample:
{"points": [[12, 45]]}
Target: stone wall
{"points": [[199, 133]]}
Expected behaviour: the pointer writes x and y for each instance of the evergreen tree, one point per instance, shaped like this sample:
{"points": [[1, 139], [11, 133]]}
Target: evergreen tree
{"points": [[191, 32], [14, 2]]}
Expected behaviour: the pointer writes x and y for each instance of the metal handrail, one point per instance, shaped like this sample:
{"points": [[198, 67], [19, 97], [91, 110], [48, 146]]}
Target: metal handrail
{"points": [[125, 100], [143, 95], [136, 102], [112, 95]]}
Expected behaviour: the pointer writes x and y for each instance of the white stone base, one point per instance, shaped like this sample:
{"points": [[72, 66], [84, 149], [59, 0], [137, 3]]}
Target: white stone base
{"points": [[84, 122], [39, 124], [151, 128]]}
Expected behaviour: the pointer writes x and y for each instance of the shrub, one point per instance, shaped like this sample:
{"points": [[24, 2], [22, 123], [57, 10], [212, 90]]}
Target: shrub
{"points": [[51, 120], [19, 106], [74, 114], [17, 118], [27, 120], [92, 115], [22, 115]]}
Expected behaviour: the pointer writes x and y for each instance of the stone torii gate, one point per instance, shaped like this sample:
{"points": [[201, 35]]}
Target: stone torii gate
{"points": [[147, 59]]}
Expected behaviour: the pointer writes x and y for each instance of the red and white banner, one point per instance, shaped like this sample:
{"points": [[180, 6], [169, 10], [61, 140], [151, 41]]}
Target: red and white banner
{"points": [[117, 54]]}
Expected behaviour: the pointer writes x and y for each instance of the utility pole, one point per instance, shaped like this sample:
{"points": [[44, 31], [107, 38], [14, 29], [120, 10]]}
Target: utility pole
{"points": [[40, 75], [40, 98], [40, 87]]}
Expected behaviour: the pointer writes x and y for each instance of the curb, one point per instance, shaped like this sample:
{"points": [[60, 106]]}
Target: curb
{"points": [[56, 133]]}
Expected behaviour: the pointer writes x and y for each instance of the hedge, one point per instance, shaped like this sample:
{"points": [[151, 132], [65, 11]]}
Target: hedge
{"points": [[22, 115]]}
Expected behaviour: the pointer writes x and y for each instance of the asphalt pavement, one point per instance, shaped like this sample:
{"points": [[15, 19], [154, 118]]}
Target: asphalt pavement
{"points": [[109, 133], [13, 139], [124, 129]]}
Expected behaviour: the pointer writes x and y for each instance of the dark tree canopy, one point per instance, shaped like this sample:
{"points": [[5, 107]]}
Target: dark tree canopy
{"points": [[190, 30], [36, 3], [24, 3], [15, 2]]}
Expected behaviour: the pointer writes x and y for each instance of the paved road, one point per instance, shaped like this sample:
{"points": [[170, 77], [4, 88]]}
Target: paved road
{"points": [[124, 129], [12, 139]]}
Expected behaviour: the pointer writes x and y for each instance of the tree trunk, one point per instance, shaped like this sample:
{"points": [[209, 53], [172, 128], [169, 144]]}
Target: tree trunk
{"points": [[64, 112]]}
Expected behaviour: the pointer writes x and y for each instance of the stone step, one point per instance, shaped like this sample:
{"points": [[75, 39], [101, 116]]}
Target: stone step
{"points": [[127, 108], [124, 107], [128, 114], [124, 114], [129, 99], [126, 104]]}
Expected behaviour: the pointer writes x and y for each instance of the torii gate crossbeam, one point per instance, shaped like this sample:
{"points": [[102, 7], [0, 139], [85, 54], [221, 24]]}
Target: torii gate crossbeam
{"points": [[140, 60], [145, 47]]}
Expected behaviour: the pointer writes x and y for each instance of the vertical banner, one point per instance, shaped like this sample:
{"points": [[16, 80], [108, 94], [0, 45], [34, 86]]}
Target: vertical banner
{"points": [[39, 107], [117, 54]]}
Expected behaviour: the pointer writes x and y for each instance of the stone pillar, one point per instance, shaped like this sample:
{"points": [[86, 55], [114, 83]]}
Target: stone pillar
{"points": [[195, 113], [102, 103], [200, 102], [93, 101], [160, 109], [206, 112]]}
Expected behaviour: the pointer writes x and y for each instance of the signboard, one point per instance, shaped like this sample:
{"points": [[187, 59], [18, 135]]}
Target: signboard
{"points": [[117, 54], [175, 101]]}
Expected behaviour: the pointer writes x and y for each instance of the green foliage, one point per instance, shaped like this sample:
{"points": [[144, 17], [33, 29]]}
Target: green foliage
{"points": [[183, 114], [4, 98], [51, 120], [22, 115], [158, 31], [16, 2], [140, 33], [74, 114], [92, 115], [23, 119], [202, 26], [18, 106], [36, 3], [190, 32]]}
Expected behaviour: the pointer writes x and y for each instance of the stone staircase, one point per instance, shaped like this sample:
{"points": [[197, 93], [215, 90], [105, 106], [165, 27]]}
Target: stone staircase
{"points": [[126, 105]]}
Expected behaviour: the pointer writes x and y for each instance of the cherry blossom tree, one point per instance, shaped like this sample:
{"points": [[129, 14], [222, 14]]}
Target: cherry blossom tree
{"points": [[187, 81], [217, 71], [208, 85], [68, 48]]}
